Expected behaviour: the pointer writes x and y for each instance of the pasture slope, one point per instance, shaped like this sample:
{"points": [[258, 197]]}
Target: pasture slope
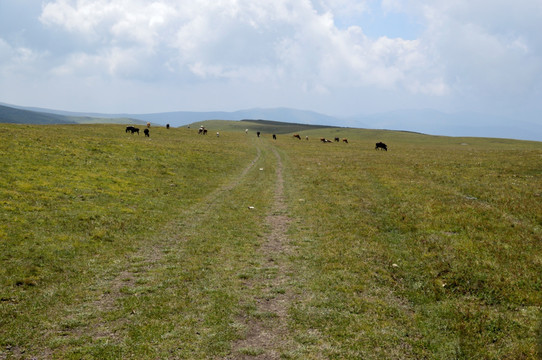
{"points": [[182, 246]]}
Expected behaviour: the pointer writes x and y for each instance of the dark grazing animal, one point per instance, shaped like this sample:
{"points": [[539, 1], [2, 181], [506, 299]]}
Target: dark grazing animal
{"points": [[258, 133], [336, 139], [274, 137], [297, 136], [381, 146], [146, 131], [345, 140], [167, 126], [132, 129], [324, 140]]}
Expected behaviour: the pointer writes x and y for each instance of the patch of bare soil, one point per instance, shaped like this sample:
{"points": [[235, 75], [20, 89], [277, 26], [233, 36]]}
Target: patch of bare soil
{"points": [[267, 336]]}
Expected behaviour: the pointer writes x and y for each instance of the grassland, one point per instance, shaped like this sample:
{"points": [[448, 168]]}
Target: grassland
{"points": [[114, 245]]}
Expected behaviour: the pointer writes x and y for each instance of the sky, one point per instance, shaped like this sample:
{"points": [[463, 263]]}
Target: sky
{"points": [[337, 57]]}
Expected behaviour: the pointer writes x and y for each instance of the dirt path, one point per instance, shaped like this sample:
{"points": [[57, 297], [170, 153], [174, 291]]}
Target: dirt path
{"points": [[147, 258], [267, 333], [267, 325]]}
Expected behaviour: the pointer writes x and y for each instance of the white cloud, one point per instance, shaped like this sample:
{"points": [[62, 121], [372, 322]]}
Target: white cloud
{"points": [[267, 41], [18, 59], [464, 53], [490, 50]]}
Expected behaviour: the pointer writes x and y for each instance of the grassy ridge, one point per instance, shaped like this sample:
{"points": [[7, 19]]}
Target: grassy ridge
{"points": [[264, 126], [114, 245]]}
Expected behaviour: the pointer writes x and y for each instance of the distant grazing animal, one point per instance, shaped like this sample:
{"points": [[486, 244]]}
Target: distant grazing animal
{"points": [[258, 133], [381, 146], [132, 129], [167, 126], [246, 131], [324, 140], [217, 134], [306, 138], [148, 125], [274, 137], [146, 131], [336, 139], [204, 131], [297, 136], [345, 140]]}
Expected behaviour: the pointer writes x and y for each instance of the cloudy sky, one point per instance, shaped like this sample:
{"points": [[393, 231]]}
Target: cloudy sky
{"points": [[339, 57]]}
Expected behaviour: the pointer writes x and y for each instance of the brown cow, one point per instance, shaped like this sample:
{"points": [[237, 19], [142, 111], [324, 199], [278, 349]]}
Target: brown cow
{"points": [[297, 136], [345, 140]]}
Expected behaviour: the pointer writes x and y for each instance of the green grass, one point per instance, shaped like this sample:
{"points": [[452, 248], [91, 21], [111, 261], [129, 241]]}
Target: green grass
{"points": [[114, 245], [432, 247]]}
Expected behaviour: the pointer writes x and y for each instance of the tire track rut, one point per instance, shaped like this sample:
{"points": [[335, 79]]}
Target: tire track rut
{"points": [[267, 334], [149, 257]]}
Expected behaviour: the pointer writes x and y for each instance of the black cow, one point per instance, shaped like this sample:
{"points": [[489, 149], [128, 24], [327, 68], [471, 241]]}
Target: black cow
{"points": [[336, 139], [146, 131], [258, 133], [381, 146], [274, 137], [132, 129]]}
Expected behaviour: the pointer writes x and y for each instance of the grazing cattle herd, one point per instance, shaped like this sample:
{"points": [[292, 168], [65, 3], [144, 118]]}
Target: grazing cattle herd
{"points": [[203, 131]]}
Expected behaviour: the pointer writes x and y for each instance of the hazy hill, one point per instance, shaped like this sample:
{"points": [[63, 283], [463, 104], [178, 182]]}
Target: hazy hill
{"points": [[425, 121], [434, 122], [15, 115], [180, 118]]}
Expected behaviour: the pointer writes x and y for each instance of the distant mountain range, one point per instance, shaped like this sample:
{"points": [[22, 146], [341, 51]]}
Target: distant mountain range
{"points": [[424, 121]]}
